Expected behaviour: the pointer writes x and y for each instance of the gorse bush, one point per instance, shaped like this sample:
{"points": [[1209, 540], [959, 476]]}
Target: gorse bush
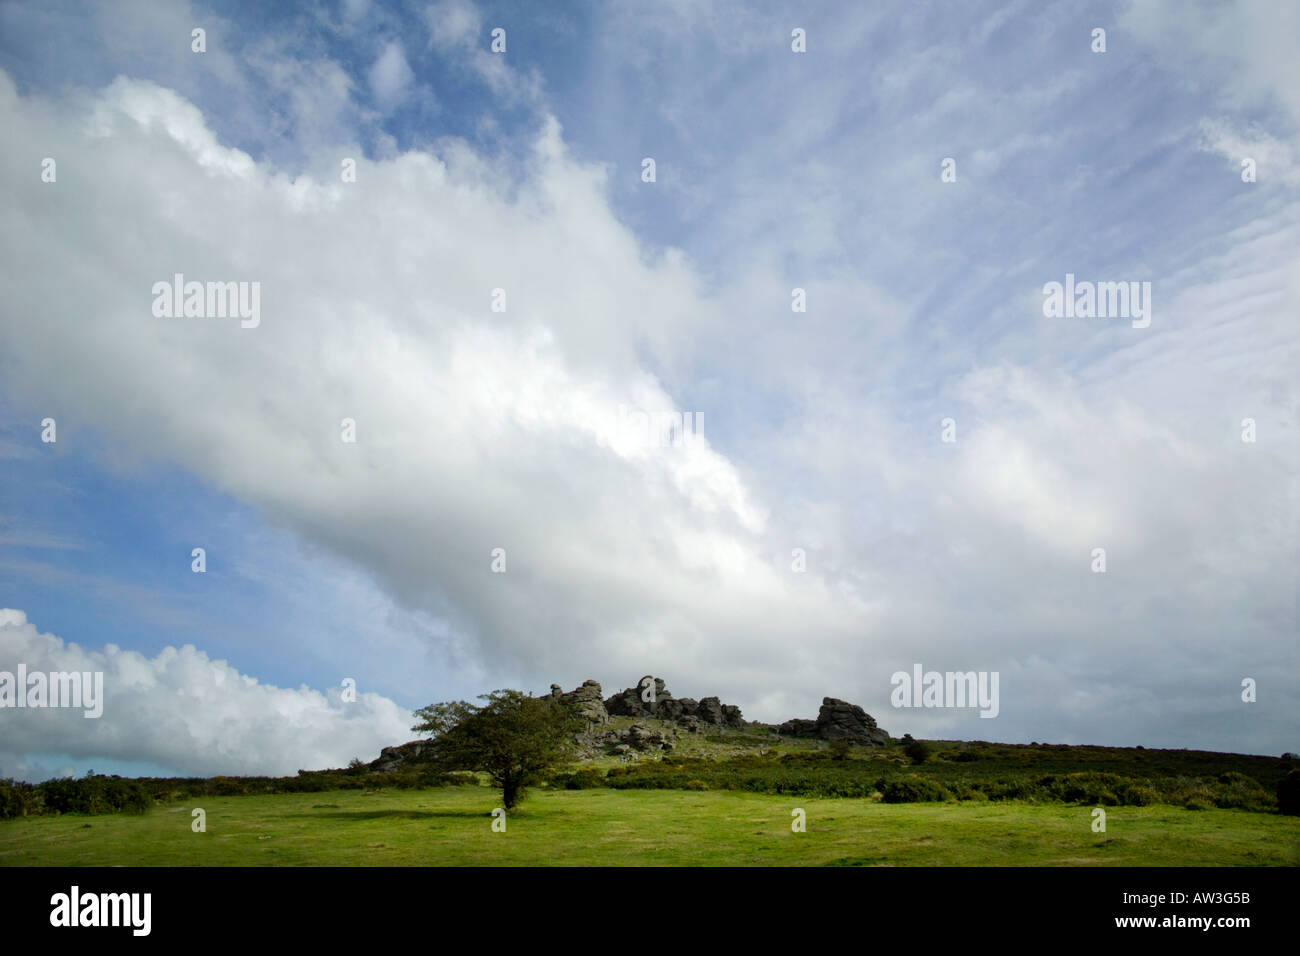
{"points": [[840, 749], [1136, 795], [102, 794], [307, 781], [1236, 791], [914, 789], [95, 795], [821, 774], [584, 778]]}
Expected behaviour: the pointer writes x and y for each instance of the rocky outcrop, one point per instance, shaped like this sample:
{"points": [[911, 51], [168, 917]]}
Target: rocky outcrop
{"points": [[659, 718], [838, 720], [395, 758], [584, 702], [651, 698], [798, 727], [640, 737], [644, 700]]}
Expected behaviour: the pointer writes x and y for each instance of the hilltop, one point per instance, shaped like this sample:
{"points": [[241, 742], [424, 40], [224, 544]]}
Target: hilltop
{"points": [[643, 737], [647, 719]]}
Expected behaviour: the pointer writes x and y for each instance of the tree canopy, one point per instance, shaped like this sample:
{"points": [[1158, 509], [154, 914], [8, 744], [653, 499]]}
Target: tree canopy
{"points": [[514, 737]]}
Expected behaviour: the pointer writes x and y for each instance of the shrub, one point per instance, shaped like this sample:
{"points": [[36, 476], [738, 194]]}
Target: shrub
{"points": [[914, 789], [584, 778], [695, 785], [1136, 795], [95, 795], [1085, 787], [917, 750], [1236, 791]]}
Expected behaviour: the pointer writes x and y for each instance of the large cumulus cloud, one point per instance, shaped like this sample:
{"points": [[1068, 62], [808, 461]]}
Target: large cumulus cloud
{"points": [[184, 712]]}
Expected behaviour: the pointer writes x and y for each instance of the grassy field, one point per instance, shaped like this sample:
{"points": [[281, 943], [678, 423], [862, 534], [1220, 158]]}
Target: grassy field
{"points": [[452, 827]]}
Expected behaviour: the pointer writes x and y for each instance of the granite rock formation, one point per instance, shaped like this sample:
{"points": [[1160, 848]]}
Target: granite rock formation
{"points": [[651, 698], [838, 720], [659, 718], [584, 702]]}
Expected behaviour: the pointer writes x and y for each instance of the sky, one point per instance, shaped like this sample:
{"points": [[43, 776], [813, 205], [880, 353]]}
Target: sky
{"points": [[461, 252]]}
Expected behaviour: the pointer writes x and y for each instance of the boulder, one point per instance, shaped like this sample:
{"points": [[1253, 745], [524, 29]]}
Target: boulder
{"points": [[633, 703], [798, 727], [710, 711], [638, 736], [394, 758], [837, 720], [584, 702], [840, 720], [644, 737]]}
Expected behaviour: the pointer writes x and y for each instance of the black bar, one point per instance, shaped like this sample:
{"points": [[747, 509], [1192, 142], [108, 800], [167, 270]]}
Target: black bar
{"points": [[372, 904]]}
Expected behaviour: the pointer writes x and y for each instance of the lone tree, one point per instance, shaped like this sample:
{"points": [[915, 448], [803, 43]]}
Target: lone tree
{"points": [[514, 737]]}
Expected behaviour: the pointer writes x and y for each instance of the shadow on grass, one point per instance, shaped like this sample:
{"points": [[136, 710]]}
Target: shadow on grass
{"points": [[859, 861], [359, 815]]}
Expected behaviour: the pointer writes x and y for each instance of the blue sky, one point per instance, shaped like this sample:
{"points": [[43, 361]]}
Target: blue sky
{"points": [[775, 170]]}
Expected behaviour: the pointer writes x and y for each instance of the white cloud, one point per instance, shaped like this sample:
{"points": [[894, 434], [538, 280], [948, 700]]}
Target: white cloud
{"points": [[453, 23], [476, 429], [390, 76], [1247, 50], [457, 31], [1274, 159], [481, 429], [186, 712]]}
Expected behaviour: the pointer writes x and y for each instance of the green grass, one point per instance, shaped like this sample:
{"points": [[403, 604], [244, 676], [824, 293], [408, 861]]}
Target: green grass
{"points": [[452, 826]]}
